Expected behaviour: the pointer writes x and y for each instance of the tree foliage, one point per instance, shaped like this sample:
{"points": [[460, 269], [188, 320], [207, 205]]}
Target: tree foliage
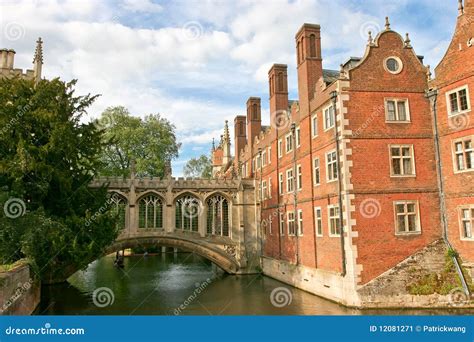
{"points": [[150, 142], [198, 167], [47, 160]]}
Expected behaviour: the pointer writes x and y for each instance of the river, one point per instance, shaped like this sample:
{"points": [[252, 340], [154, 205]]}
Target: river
{"points": [[182, 284]]}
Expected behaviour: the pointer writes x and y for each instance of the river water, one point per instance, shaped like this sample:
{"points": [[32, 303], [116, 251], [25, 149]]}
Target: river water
{"points": [[182, 284]]}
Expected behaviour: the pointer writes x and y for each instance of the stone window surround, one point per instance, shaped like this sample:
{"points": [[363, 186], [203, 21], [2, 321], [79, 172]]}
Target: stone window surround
{"points": [[397, 100], [469, 207], [453, 149], [417, 221], [412, 157], [318, 220], [448, 101]]}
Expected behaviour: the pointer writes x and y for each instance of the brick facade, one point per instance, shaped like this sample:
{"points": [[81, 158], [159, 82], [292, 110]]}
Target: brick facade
{"points": [[377, 155]]}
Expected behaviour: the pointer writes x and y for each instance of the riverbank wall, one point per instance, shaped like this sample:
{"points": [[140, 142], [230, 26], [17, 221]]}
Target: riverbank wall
{"points": [[20, 293], [421, 281]]}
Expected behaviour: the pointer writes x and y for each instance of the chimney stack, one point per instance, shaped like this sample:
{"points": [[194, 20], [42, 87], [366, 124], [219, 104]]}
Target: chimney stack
{"points": [[309, 61], [240, 136], [254, 119], [3, 58], [10, 59], [278, 85]]}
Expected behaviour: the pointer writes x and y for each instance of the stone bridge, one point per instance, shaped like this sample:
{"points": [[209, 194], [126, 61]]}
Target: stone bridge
{"points": [[216, 219]]}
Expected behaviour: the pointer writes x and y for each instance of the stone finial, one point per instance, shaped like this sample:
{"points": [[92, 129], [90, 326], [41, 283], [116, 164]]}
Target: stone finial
{"points": [[371, 39], [460, 7], [428, 73], [226, 138], [407, 41], [387, 23], [38, 51], [213, 144]]}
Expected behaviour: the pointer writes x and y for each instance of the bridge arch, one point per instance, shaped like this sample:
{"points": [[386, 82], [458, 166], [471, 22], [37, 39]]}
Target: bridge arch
{"points": [[213, 254]]}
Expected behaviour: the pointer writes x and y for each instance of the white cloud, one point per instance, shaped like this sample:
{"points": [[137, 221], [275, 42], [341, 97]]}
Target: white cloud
{"points": [[141, 6]]}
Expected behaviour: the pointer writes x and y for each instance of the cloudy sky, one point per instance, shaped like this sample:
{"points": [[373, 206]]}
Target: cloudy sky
{"points": [[196, 62]]}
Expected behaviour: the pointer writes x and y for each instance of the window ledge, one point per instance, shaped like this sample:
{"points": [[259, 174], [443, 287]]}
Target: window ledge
{"points": [[463, 171], [451, 115], [467, 239], [403, 176], [408, 234], [397, 121]]}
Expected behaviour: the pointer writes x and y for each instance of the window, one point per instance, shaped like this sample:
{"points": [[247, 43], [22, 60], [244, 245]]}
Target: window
{"points": [[289, 143], [280, 183], [467, 222], [218, 216], [406, 219], [264, 157], [188, 209], [396, 110], [458, 101], [464, 155], [331, 166], [316, 172], [119, 205], [300, 222], [402, 160], [150, 212], [264, 190], [299, 177], [282, 224], [318, 216], [393, 65], [269, 155], [270, 187], [291, 223], [289, 180], [280, 148], [329, 117], [314, 126], [334, 222], [298, 137]]}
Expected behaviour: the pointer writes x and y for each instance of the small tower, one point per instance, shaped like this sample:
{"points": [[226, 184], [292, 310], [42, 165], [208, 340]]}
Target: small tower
{"points": [[38, 60], [226, 145]]}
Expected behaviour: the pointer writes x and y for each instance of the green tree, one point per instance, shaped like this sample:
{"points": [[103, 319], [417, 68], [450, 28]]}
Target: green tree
{"points": [[198, 167], [150, 142], [47, 159]]}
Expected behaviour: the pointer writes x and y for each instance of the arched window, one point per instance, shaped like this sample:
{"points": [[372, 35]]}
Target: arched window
{"points": [[241, 128], [218, 216], [188, 209], [280, 82], [270, 86], [254, 112], [312, 45], [150, 212], [119, 204]]}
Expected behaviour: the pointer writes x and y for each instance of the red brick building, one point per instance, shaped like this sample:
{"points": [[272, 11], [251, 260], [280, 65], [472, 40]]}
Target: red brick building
{"points": [[452, 98], [348, 174]]}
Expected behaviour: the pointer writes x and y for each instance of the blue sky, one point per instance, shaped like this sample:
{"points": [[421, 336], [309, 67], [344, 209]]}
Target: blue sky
{"points": [[197, 62]]}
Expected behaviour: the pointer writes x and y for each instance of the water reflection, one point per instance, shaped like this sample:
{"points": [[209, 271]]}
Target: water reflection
{"points": [[184, 284]]}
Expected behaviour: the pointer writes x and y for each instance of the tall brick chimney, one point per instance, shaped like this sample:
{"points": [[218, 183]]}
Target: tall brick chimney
{"points": [[278, 88], [240, 136], [254, 119], [309, 61]]}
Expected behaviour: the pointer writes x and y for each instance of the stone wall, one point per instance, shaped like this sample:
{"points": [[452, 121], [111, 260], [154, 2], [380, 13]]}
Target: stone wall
{"points": [[19, 293]]}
